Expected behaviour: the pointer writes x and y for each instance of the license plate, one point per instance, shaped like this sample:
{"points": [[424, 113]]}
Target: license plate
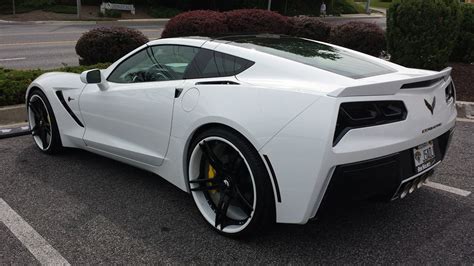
{"points": [[424, 156]]}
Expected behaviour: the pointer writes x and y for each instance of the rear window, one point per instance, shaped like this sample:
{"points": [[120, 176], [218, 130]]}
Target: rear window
{"points": [[209, 64], [314, 54]]}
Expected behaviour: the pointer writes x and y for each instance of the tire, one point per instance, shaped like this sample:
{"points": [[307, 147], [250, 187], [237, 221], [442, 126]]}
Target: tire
{"points": [[234, 196], [42, 122]]}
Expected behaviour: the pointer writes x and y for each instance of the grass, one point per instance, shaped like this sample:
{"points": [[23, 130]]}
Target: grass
{"points": [[61, 9], [163, 12], [13, 83], [377, 3]]}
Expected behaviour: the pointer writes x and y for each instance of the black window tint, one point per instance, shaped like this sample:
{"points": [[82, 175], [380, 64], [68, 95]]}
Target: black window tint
{"points": [[158, 63], [134, 69], [209, 64], [315, 54], [174, 58]]}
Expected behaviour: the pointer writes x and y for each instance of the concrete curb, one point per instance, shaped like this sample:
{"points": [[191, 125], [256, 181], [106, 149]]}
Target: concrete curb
{"points": [[13, 114], [91, 22], [465, 109], [14, 130], [354, 16]]}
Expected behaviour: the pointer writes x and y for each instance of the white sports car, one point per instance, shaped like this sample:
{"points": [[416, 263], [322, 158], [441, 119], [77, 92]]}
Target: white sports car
{"points": [[258, 129]]}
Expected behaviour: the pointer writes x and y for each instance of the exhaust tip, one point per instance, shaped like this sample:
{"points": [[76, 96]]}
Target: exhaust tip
{"points": [[412, 187], [404, 191], [403, 194], [419, 183]]}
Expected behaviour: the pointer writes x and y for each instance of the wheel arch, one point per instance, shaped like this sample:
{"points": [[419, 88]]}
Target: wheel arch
{"points": [[31, 89], [207, 126]]}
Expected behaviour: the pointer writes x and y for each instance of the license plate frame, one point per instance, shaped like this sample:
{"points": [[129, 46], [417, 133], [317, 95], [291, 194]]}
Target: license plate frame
{"points": [[424, 156]]}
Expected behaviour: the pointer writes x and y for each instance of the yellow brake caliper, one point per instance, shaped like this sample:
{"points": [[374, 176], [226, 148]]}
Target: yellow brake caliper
{"points": [[211, 173]]}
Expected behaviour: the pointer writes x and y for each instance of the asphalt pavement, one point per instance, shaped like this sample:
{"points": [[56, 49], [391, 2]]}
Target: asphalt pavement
{"points": [[29, 45], [94, 210]]}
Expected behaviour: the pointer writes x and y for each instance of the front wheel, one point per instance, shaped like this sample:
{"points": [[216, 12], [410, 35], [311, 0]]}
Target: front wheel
{"points": [[42, 123], [229, 183]]}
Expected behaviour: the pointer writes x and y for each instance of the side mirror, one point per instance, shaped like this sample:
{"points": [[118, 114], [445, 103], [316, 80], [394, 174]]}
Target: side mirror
{"points": [[94, 76]]}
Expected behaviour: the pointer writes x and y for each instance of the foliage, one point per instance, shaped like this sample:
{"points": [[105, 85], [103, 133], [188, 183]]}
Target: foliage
{"points": [[309, 27], [102, 45], [110, 13], [256, 21], [378, 3], [35, 4], [61, 9], [13, 83], [163, 12], [422, 34], [198, 22], [464, 47], [212, 23], [360, 36], [347, 7]]}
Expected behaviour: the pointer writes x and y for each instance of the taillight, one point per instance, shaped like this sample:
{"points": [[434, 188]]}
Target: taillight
{"points": [[366, 114], [450, 93]]}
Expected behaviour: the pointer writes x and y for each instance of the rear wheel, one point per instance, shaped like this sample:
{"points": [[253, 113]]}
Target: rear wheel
{"points": [[229, 183], [43, 123]]}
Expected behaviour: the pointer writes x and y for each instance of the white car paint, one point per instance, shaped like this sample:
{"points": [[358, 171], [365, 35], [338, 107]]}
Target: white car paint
{"points": [[286, 110]]}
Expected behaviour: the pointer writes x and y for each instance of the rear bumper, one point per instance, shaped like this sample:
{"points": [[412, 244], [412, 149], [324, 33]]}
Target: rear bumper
{"points": [[383, 177]]}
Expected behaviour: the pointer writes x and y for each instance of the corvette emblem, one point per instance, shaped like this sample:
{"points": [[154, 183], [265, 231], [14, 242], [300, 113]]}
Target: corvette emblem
{"points": [[431, 106]]}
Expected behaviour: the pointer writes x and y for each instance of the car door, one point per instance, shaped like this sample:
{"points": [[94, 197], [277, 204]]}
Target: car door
{"points": [[132, 118]]}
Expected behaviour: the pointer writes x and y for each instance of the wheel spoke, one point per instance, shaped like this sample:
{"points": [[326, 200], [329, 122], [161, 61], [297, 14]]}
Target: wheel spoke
{"points": [[35, 110], [35, 131], [43, 137], [212, 158], [236, 166], [243, 200], [221, 211], [205, 180], [206, 188], [47, 129]]}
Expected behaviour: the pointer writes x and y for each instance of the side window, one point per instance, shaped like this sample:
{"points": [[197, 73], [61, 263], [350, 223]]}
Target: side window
{"points": [[174, 58], [208, 64], [158, 63]]}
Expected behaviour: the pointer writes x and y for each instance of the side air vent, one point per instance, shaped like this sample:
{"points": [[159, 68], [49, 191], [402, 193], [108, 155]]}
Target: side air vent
{"points": [[217, 82], [366, 114], [68, 109], [422, 84]]}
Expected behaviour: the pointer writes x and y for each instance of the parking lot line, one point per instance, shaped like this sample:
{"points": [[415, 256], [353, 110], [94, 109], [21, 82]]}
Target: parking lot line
{"points": [[453, 190], [34, 242], [12, 59]]}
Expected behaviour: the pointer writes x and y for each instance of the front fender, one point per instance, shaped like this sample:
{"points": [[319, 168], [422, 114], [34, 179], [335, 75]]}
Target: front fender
{"points": [[69, 83]]}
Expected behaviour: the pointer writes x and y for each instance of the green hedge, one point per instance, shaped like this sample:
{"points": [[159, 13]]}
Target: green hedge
{"points": [[13, 83], [422, 34], [464, 48]]}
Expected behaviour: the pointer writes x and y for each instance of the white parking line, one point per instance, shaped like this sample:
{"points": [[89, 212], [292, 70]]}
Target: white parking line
{"points": [[453, 190], [12, 59], [34, 242]]}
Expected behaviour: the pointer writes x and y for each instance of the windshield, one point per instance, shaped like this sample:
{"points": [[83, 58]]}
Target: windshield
{"points": [[315, 54]]}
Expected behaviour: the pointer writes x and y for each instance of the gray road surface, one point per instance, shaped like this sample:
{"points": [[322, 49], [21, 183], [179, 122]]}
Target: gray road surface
{"points": [[94, 210], [46, 46]]}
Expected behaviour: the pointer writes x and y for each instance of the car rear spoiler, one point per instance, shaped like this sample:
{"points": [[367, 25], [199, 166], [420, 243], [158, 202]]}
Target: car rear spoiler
{"points": [[392, 87]]}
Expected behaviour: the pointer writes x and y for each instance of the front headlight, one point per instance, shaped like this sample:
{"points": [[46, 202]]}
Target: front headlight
{"points": [[365, 114]]}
